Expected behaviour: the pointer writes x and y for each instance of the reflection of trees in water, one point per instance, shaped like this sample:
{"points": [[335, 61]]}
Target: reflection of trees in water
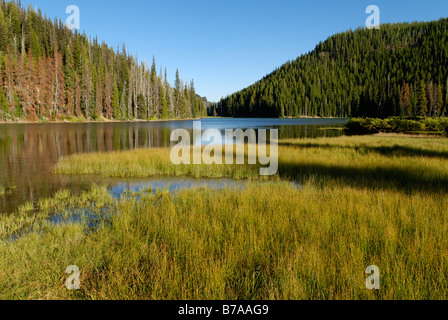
{"points": [[288, 132], [27, 152]]}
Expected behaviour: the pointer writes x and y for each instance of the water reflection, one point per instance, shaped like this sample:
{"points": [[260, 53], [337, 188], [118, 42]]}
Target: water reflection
{"points": [[28, 151]]}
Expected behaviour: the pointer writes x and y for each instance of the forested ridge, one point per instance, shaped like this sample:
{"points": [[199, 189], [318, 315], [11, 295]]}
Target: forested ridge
{"points": [[398, 70], [48, 72]]}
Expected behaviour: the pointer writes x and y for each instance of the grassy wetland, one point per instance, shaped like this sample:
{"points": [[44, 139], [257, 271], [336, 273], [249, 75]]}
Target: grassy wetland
{"points": [[336, 206]]}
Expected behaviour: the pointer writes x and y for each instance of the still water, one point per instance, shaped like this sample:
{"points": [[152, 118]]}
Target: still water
{"points": [[28, 151]]}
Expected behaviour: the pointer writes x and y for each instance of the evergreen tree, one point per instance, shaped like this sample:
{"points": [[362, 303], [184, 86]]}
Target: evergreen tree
{"points": [[99, 99], [49, 72], [422, 99], [445, 111], [405, 102], [177, 95], [108, 108], [439, 101], [163, 103], [116, 102], [4, 106]]}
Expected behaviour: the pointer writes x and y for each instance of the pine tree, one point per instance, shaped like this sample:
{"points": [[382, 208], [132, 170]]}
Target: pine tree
{"points": [[130, 94], [69, 80], [439, 100], [116, 102], [193, 101], [32, 105], [10, 79], [59, 86], [431, 99], [21, 85], [99, 99], [405, 102], [42, 93], [141, 102], [422, 99], [108, 109], [4, 106], [87, 86], [177, 95], [169, 104], [77, 97], [445, 111], [163, 102]]}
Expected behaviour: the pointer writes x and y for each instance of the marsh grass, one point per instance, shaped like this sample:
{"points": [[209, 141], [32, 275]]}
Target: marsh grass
{"points": [[36, 216], [242, 244], [363, 201], [143, 163], [399, 162], [6, 190]]}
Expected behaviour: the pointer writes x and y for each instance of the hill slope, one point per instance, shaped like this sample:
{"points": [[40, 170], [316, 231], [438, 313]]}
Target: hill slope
{"points": [[401, 69]]}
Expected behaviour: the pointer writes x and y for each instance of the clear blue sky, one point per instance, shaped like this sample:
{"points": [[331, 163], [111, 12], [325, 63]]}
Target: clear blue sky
{"points": [[227, 45]]}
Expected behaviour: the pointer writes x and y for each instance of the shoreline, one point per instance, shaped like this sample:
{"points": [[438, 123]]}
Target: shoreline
{"points": [[94, 121], [143, 121], [103, 120]]}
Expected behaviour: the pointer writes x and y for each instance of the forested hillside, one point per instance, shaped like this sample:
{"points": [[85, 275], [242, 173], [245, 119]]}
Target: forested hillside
{"points": [[399, 70], [47, 72]]}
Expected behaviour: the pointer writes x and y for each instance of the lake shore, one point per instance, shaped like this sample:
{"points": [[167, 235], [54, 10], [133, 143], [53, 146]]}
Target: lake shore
{"points": [[75, 120], [94, 121]]}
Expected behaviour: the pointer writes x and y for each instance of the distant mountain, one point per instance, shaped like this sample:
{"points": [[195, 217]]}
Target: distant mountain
{"points": [[401, 69], [204, 99]]}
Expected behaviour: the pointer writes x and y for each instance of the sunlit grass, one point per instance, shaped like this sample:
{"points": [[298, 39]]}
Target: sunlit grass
{"points": [[142, 163], [361, 201], [268, 241], [370, 161]]}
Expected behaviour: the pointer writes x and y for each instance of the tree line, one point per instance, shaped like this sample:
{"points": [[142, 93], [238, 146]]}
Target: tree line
{"points": [[48, 72], [399, 70]]}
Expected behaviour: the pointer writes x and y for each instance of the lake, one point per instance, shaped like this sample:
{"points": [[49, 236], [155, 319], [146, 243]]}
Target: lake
{"points": [[28, 151]]}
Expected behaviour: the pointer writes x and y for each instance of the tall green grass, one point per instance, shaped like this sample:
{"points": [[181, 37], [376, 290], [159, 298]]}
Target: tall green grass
{"points": [[369, 161], [268, 241], [361, 201]]}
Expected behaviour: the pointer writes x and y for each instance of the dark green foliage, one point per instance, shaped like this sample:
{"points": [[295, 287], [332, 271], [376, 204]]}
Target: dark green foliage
{"points": [[355, 73], [444, 125], [361, 126]]}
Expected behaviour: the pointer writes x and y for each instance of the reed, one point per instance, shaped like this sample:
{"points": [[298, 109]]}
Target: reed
{"points": [[377, 200], [383, 161]]}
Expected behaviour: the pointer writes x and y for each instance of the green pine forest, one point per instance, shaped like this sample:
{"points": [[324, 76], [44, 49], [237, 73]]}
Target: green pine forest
{"points": [[398, 70], [48, 72]]}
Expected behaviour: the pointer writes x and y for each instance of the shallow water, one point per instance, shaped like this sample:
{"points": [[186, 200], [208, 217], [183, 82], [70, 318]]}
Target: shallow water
{"points": [[28, 151]]}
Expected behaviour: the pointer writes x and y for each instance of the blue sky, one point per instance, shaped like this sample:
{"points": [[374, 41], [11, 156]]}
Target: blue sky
{"points": [[227, 45]]}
